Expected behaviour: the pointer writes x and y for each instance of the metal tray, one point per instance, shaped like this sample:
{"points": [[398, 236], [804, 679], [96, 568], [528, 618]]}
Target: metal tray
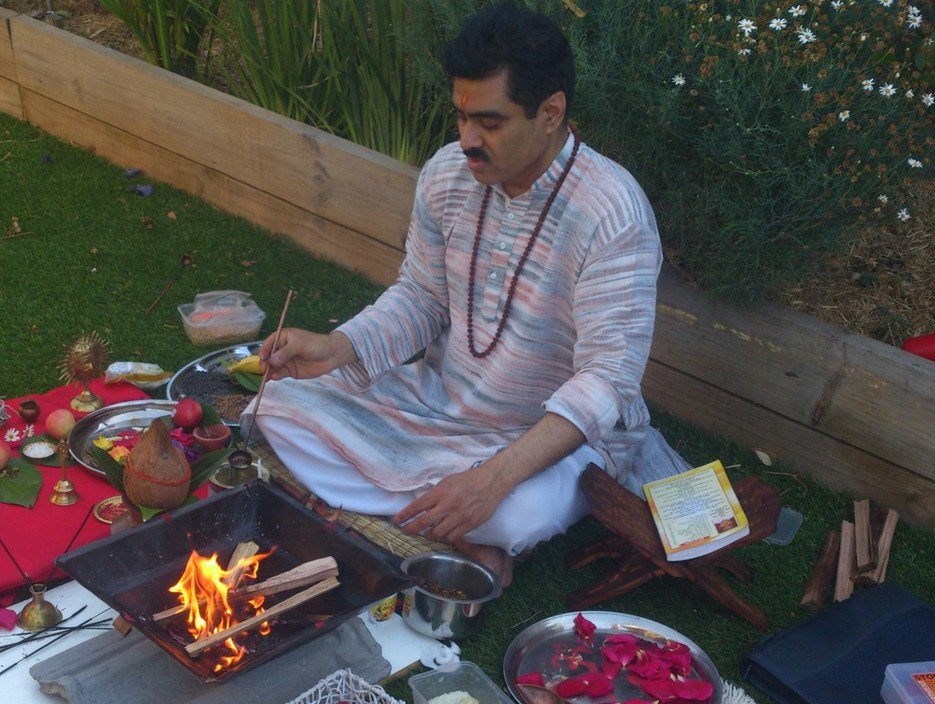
{"points": [[179, 385], [532, 650], [110, 421]]}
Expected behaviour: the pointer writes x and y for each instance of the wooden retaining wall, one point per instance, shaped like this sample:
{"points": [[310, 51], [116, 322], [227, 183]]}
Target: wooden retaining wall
{"points": [[856, 414]]}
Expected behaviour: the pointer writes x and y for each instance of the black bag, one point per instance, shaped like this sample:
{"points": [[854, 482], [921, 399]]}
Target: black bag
{"points": [[839, 656]]}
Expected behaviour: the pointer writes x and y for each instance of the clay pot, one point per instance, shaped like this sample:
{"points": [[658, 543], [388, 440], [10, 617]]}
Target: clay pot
{"points": [[212, 437]]}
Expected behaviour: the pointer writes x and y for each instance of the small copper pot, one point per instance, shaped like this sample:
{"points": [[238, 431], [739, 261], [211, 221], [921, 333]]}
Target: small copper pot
{"points": [[29, 410]]}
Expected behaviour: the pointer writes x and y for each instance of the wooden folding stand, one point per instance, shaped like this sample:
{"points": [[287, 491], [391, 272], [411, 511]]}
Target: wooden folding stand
{"points": [[636, 546]]}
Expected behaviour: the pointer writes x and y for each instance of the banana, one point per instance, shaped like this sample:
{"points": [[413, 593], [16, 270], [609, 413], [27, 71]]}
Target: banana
{"points": [[250, 365]]}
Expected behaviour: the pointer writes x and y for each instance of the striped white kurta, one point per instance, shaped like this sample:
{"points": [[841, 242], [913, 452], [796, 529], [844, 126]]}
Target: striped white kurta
{"points": [[575, 344]]}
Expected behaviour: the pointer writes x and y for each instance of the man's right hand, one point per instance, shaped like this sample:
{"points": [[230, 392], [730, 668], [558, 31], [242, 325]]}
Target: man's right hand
{"points": [[303, 354]]}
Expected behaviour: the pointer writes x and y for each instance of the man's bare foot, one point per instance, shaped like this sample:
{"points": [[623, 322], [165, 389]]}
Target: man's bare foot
{"points": [[495, 559]]}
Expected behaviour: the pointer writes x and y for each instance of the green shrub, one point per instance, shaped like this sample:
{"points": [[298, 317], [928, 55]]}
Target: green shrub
{"points": [[767, 133]]}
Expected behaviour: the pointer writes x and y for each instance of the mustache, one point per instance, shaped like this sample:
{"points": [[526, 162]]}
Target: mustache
{"points": [[476, 153]]}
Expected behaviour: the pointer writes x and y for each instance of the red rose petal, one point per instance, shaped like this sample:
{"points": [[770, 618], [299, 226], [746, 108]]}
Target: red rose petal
{"points": [[535, 678], [584, 628], [571, 687]]}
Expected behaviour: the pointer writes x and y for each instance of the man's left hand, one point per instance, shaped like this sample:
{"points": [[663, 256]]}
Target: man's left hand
{"points": [[457, 504]]}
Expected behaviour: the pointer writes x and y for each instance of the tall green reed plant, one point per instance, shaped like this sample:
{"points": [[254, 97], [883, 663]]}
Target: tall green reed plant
{"points": [[274, 46], [170, 32], [374, 97], [339, 65]]}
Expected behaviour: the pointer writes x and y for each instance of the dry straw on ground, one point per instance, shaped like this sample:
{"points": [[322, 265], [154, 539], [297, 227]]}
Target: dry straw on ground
{"points": [[883, 286]]}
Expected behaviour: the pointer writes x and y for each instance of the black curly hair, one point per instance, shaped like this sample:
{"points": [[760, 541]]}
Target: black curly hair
{"points": [[527, 44]]}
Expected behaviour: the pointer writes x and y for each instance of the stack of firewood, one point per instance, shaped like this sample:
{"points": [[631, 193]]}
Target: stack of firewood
{"points": [[854, 556]]}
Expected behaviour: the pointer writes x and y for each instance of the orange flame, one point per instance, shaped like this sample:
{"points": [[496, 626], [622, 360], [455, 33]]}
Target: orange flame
{"points": [[203, 591]]}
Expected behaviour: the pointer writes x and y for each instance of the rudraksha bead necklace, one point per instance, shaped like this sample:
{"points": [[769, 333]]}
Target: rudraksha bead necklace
{"points": [[522, 260]]}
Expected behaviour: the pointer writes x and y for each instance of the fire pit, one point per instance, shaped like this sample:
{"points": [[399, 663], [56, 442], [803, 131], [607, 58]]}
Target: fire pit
{"points": [[133, 572]]}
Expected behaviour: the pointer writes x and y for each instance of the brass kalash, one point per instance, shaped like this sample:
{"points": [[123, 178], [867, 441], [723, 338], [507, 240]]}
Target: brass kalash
{"points": [[38, 614]]}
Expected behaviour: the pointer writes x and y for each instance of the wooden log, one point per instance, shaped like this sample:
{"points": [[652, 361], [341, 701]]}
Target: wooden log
{"points": [[864, 549], [243, 551], [884, 545], [822, 573], [122, 626], [202, 644], [847, 563], [300, 576]]}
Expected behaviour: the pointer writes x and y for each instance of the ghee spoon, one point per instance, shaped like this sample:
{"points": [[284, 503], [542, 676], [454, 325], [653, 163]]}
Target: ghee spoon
{"points": [[242, 459]]}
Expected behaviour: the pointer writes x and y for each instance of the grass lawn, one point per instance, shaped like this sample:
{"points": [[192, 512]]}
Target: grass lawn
{"points": [[82, 251]]}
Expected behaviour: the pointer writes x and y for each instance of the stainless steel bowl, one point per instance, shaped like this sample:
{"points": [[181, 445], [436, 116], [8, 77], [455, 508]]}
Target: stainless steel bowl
{"points": [[432, 614]]}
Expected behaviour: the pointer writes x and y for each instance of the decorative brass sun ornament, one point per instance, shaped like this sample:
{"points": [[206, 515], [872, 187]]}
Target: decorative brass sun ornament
{"points": [[85, 359]]}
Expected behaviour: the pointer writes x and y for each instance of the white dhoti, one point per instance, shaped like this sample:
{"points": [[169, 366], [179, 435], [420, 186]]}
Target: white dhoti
{"points": [[536, 510]]}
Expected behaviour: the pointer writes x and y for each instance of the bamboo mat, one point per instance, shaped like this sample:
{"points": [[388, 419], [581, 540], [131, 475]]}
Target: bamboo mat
{"points": [[378, 529]]}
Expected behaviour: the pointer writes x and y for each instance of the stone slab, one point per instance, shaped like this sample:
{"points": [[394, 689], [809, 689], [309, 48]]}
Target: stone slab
{"points": [[110, 669]]}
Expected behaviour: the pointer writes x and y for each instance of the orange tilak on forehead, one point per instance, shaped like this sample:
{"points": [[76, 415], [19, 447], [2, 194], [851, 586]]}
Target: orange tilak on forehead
{"points": [[462, 101]]}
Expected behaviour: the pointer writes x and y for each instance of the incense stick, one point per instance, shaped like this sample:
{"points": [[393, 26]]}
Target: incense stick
{"points": [[26, 578], [259, 393], [72, 541]]}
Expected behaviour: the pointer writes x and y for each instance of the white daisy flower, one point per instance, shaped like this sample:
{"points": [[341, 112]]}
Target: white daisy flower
{"points": [[796, 10], [867, 84], [887, 91], [910, 94], [806, 88], [903, 214], [885, 3], [914, 21], [844, 115], [678, 80], [12, 435], [914, 163], [746, 26], [777, 23], [837, 4], [928, 100], [883, 199], [806, 36]]}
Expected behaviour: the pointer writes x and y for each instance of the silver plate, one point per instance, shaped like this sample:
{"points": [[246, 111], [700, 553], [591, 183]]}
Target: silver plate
{"points": [[211, 362], [113, 420], [532, 650]]}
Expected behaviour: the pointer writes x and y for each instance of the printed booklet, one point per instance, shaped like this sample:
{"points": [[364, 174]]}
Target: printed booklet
{"points": [[696, 512]]}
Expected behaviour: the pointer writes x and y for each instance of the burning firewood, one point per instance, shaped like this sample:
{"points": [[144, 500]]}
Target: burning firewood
{"points": [[303, 575], [237, 564], [202, 644]]}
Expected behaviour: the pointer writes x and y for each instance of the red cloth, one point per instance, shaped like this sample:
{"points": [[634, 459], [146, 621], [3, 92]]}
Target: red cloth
{"points": [[37, 535]]}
